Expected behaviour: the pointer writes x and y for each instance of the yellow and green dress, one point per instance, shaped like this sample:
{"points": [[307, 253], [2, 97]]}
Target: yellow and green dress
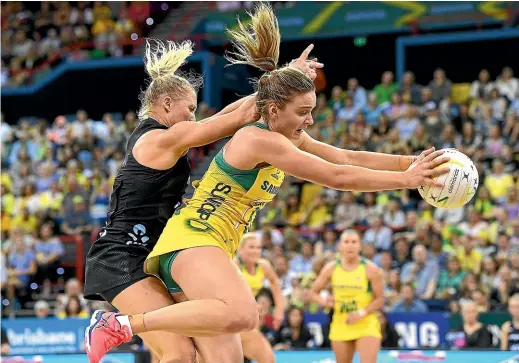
{"points": [[220, 212], [255, 280], [352, 292]]}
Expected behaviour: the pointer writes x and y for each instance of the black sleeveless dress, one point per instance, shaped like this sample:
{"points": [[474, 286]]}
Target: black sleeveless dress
{"points": [[142, 201]]}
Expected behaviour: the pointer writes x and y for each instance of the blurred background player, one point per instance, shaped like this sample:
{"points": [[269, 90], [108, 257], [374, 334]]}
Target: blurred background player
{"points": [[256, 270], [357, 295]]}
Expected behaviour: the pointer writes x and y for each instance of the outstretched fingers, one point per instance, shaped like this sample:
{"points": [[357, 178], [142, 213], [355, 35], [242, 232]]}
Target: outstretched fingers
{"points": [[304, 56]]}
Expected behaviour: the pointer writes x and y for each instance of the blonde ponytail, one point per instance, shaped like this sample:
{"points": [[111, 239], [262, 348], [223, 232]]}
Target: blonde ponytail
{"points": [[257, 43], [163, 58]]}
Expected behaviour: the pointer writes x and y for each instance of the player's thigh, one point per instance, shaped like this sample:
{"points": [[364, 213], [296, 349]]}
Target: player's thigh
{"points": [[343, 351], [147, 295], [256, 347], [368, 348], [218, 349], [208, 273]]}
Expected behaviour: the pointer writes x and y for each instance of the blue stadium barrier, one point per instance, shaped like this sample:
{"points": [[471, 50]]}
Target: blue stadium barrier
{"points": [[204, 57], [396, 356]]}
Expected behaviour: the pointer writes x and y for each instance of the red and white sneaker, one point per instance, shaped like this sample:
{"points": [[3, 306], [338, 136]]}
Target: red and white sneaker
{"points": [[104, 333]]}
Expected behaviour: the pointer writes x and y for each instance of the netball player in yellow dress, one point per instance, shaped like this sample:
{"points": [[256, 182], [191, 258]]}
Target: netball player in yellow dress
{"points": [[256, 270], [357, 294], [194, 253]]}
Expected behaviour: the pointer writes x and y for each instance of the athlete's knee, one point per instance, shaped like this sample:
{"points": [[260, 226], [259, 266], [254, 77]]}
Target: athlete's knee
{"points": [[243, 318]]}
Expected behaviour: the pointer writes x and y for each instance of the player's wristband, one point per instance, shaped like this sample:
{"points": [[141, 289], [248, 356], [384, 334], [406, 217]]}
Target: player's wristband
{"points": [[362, 313]]}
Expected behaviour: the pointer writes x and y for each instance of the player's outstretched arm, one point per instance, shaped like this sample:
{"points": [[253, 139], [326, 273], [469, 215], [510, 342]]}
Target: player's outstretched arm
{"points": [[366, 159], [184, 135], [279, 151]]}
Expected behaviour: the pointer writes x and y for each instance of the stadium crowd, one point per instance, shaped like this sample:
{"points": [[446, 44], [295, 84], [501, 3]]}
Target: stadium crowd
{"points": [[56, 180], [36, 35]]}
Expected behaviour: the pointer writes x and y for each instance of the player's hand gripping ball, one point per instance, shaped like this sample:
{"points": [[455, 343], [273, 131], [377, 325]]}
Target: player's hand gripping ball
{"points": [[460, 184]]}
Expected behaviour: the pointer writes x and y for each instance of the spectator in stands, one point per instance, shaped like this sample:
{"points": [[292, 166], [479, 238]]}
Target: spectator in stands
{"points": [[497, 105], [401, 254], [318, 213], [328, 246], [509, 336], [437, 251], [79, 221], [494, 145], [372, 110], [481, 299], [73, 309], [74, 190], [392, 288], [99, 202], [264, 302], [302, 262], [46, 177], [407, 124], [281, 267], [450, 280], [484, 204], [41, 309], [481, 87], [498, 181], [489, 274], [347, 212], [379, 235], [440, 86], [73, 288], [21, 267], [357, 93], [5, 346], [347, 113], [49, 250], [474, 334], [410, 91], [421, 271], [470, 258], [25, 221], [474, 226], [507, 84], [293, 334], [386, 88], [394, 217], [409, 303]]}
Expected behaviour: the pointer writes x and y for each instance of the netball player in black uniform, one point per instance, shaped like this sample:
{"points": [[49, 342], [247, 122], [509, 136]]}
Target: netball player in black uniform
{"points": [[149, 187]]}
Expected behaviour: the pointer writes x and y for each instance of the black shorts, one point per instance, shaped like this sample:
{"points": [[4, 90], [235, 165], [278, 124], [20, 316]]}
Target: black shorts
{"points": [[114, 263]]}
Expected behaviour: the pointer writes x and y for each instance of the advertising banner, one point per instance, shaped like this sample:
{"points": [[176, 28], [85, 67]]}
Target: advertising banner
{"points": [[394, 356], [45, 336], [306, 19], [69, 358], [420, 330], [416, 330]]}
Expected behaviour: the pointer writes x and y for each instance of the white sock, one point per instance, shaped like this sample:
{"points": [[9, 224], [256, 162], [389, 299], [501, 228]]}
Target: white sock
{"points": [[124, 320]]}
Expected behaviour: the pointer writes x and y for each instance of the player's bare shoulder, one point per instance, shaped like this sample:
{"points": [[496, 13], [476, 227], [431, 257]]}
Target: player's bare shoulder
{"points": [[373, 271]]}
